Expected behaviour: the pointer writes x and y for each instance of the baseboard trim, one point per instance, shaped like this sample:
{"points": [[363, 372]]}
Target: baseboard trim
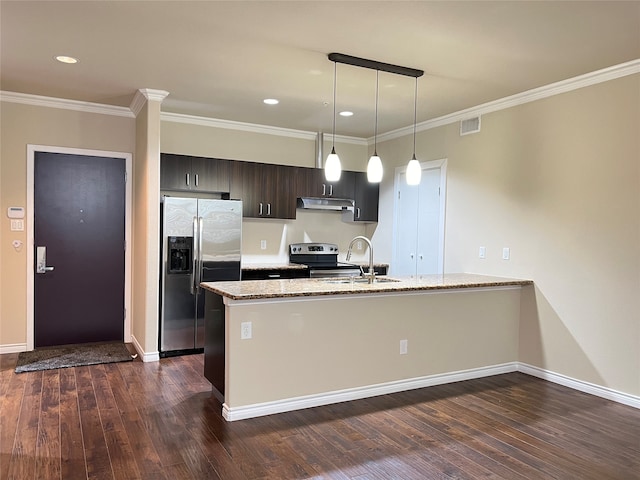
{"points": [[308, 401], [144, 356], [586, 387], [13, 348]]}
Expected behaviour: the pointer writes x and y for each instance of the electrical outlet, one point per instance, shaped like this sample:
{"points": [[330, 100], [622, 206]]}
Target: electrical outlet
{"points": [[482, 252], [506, 253], [403, 347], [263, 244], [359, 245], [245, 330]]}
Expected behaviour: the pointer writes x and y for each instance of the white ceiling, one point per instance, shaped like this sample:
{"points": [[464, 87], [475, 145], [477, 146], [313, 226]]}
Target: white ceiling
{"points": [[220, 59]]}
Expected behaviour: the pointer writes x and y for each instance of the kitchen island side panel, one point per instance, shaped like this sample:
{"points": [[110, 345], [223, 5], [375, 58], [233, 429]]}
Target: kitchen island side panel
{"points": [[214, 345], [315, 345]]}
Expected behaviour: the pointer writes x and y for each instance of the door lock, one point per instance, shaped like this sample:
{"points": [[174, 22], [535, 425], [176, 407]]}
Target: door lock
{"points": [[41, 260]]}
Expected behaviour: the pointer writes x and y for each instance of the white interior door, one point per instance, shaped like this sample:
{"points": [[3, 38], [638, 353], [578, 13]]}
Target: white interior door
{"points": [[419, 222], [406, 222]]}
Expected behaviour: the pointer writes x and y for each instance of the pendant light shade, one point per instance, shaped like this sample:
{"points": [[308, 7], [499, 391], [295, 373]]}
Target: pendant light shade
{"points": [[374, 167], [333, 167], [414, 170]]}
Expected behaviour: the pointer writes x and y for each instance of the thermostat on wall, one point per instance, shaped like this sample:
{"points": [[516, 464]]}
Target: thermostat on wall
{"points": [[15, 212]]}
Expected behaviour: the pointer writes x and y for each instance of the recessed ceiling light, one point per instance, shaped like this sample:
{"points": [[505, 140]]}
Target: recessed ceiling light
{"points": [[271, 101], [66, 59], [346, 113]]}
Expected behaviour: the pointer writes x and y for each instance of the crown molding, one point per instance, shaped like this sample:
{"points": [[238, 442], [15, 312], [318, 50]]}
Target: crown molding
{"points": [[144, 95], [52, 102], [251, 127], [563, 86]]}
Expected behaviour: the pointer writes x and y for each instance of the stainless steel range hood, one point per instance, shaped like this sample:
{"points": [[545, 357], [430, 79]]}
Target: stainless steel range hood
{"points": [[324, 203]]}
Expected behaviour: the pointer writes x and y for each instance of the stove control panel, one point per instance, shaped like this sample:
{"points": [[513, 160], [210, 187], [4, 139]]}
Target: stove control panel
{"points": [[313, 248]]}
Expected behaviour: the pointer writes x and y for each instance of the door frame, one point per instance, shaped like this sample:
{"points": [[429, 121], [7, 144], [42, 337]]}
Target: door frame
{"points": [[31, 150], [430, 165]]}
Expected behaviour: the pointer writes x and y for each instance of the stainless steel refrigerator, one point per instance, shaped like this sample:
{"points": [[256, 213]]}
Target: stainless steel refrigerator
{"points": [[201, 241]]}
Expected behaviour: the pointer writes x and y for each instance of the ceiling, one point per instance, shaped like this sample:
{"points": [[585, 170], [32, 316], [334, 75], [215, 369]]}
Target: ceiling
{"points": [[220, 59]]}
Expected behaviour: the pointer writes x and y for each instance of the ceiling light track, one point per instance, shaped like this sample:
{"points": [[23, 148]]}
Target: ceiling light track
{"points": [[374, 65]]}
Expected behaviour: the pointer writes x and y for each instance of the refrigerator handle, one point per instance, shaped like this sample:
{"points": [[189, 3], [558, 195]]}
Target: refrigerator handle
{"points": [[194, 256], [200, 264]]}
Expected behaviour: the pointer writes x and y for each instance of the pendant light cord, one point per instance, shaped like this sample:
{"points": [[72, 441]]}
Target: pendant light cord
{"points": [[415, 116], [333, 141], [375, 132]]}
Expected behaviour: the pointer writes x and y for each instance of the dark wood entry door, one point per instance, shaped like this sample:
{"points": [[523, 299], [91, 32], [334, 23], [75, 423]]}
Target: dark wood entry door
{"points": [[79, 218]]}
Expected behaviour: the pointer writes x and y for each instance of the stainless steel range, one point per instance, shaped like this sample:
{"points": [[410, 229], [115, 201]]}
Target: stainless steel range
{"points": [[322, 260]]}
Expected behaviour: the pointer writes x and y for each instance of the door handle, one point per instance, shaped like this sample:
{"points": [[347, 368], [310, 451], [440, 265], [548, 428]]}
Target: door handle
{"points": [[41, 260], [194, 256], [200, 262]]}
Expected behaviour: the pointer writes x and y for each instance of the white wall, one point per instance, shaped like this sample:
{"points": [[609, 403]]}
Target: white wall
{"points": [[558, 182]]}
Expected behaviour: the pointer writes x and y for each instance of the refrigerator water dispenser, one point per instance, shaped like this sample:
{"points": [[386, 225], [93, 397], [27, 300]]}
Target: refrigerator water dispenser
{"points": [[180, 254]]}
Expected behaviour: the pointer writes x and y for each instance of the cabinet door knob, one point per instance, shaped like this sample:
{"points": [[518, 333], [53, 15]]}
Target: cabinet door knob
{"points": [[268, 209], [330, 190], [196, 178], [324, 189], [357, 212], [187, 179], [260, 211]]}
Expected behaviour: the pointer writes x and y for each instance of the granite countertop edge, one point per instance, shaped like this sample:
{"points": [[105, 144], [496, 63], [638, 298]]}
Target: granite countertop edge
{"points": [[305, 287]]}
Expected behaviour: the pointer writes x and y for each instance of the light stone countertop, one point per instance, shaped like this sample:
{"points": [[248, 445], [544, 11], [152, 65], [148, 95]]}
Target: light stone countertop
{"points": [[305, 287]]}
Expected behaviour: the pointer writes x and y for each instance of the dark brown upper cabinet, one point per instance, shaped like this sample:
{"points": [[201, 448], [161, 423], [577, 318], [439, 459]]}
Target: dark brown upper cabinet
{"points": [[312, 183], [266, 190], [366, 197], [194, 174]]}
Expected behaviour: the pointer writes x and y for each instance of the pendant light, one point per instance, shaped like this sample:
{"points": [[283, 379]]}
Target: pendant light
{"points": [[374, 167], [414, 171], [332, 167]]}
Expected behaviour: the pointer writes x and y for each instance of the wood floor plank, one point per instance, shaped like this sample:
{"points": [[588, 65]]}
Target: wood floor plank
{"points": [[22, 461], [93, 435], [48, 456], [72, 458], [159, 420], [10, 405]]}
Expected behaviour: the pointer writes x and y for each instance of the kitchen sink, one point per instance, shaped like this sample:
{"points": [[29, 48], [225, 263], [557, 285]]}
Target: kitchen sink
{"points": [[360, 280]]}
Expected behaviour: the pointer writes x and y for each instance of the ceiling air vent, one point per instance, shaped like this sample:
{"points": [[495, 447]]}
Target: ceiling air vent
{"points": [[470, 125]]}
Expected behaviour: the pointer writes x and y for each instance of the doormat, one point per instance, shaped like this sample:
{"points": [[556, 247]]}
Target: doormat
{"points": [[50, 358]]}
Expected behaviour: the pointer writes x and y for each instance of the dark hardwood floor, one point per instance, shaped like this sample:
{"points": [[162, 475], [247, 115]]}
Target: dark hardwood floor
{"points": [[158, 420]]}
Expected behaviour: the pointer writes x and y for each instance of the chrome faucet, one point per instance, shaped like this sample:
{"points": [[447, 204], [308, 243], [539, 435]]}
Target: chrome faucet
{"points": [[372, 274]]}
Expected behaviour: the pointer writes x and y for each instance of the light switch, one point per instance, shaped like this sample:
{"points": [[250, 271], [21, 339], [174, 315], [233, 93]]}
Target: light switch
{"points": [[17, 225], [506, 253], [482, 252]]}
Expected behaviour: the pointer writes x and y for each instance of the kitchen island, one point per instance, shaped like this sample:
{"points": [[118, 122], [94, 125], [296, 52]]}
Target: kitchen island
{"points": [[278, 345]]}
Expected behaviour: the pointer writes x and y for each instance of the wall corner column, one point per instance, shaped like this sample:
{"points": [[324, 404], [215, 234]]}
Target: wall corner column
{"points": [[146, 223]]}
